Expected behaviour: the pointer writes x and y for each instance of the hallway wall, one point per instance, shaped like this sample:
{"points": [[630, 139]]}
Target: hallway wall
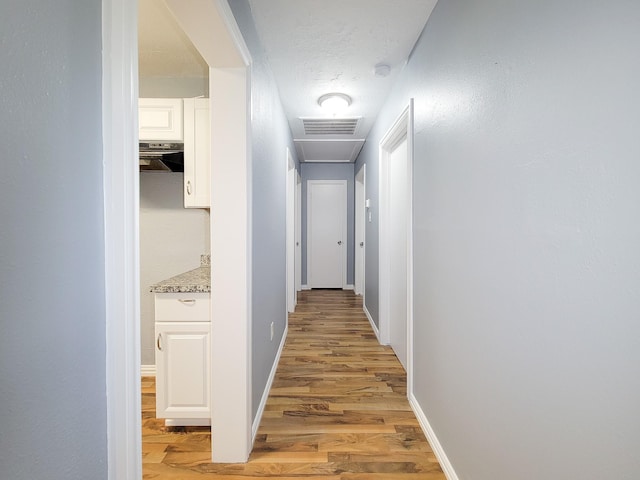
{"points": [[526, 258], [270, 137], [53, 421]]}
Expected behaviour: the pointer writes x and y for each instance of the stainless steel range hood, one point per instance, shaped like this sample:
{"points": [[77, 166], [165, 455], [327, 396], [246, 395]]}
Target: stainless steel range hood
{"points": [[162, 156]]}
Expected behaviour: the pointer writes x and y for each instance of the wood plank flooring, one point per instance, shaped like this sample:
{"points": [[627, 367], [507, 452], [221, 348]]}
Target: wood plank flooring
{"points": [[337, 410]]}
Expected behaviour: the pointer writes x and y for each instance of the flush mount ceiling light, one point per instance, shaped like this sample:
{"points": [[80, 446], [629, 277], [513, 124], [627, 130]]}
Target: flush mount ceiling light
{"points": [[334, 102]]}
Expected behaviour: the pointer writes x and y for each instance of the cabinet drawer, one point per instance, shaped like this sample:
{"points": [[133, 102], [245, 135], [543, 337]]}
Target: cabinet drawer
{"points": [[182, 307]]}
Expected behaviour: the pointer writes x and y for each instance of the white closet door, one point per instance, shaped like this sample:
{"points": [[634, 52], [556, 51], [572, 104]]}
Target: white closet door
{"points": [[398, 231], [326, 237]]}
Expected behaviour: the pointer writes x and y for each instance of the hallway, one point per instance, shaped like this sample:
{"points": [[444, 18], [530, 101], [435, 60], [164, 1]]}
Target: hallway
{"points": [[337, 409]]}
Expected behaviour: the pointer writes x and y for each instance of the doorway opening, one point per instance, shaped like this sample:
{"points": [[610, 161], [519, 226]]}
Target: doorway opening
{"points": [[291, 255], [360, 231], [326, 233], [216, 36], [396, 284]]}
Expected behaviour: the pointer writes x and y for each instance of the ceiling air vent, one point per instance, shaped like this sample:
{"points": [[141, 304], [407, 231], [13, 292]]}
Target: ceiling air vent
{"points": [[330, 126]]}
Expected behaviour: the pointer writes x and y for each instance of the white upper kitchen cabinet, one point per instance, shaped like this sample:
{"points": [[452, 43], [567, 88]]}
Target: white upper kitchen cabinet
{"points": [[197, 153], [160, 119]]}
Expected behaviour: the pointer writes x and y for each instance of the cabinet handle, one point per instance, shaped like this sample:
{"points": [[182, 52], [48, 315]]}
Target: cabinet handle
{"points": [[188, 187], [158, 342], [189, 301]]}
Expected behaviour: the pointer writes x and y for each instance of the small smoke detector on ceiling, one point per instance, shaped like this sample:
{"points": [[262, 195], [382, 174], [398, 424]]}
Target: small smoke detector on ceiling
{"points": [[330, 126], [382, 70]]}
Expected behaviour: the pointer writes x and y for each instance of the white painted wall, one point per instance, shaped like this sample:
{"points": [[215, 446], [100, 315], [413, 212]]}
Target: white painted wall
{"points": [[526, 234], [172, 238], [173, 87]]}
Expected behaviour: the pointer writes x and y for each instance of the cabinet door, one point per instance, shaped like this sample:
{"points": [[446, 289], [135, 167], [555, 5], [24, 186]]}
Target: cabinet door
{"points": [[197, 153], [160, 119], [182, 370]]}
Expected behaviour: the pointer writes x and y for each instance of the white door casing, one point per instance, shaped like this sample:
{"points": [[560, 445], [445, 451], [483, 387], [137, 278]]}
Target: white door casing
{"points": [[298, 228], [326, 233], [122, 255], [291, 232], [396, 246], [360, 229]]}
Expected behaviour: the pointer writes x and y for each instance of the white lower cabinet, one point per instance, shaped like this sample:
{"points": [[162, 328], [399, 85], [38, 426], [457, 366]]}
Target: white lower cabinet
{"points": [[183, 358]]}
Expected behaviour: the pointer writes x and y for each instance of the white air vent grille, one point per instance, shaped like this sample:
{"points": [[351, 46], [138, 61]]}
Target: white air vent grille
{"points": [[330, 126]]}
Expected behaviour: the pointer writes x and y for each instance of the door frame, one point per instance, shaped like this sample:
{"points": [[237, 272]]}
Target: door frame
{"points": [[122, 254], [298, 233], [310, 184], [402, 128], [291, 231], [360, 231], [121, 197]]}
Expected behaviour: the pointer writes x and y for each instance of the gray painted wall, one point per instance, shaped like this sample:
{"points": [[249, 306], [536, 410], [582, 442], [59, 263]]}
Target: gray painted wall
{"points": [[270, 138], [526, 234], [329, 171], [52, 308], [172, 238]]}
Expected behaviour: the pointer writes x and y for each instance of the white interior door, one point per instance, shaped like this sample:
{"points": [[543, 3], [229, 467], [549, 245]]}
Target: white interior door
{"points": [[398, 241], [326, 233], [360, 231]]}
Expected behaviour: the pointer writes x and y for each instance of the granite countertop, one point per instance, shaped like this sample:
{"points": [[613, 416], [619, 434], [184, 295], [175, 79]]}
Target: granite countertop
{"points": [[197, 280]]}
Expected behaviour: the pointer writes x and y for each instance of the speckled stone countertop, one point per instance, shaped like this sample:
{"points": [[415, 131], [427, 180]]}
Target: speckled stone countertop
{"points": [[197, 280]]}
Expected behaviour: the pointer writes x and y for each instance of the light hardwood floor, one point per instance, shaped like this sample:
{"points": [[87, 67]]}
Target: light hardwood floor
{"points": [[337, 410]]}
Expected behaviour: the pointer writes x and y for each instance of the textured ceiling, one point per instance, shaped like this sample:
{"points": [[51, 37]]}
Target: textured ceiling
{"points": [[314, 47]]}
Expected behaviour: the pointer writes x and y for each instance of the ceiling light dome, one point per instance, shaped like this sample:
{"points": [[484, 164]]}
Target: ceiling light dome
{"points": [[334, 102]]}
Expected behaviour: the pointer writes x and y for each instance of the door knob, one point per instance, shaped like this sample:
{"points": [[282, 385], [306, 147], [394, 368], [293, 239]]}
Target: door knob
{"points": [[339, 242], [362, 244]]}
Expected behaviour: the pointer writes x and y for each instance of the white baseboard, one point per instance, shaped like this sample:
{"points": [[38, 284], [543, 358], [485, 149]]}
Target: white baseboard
{"points": [[346, 287], [373, 325], [267, 389], [187, 422], [445, 464], [147, 370]]}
